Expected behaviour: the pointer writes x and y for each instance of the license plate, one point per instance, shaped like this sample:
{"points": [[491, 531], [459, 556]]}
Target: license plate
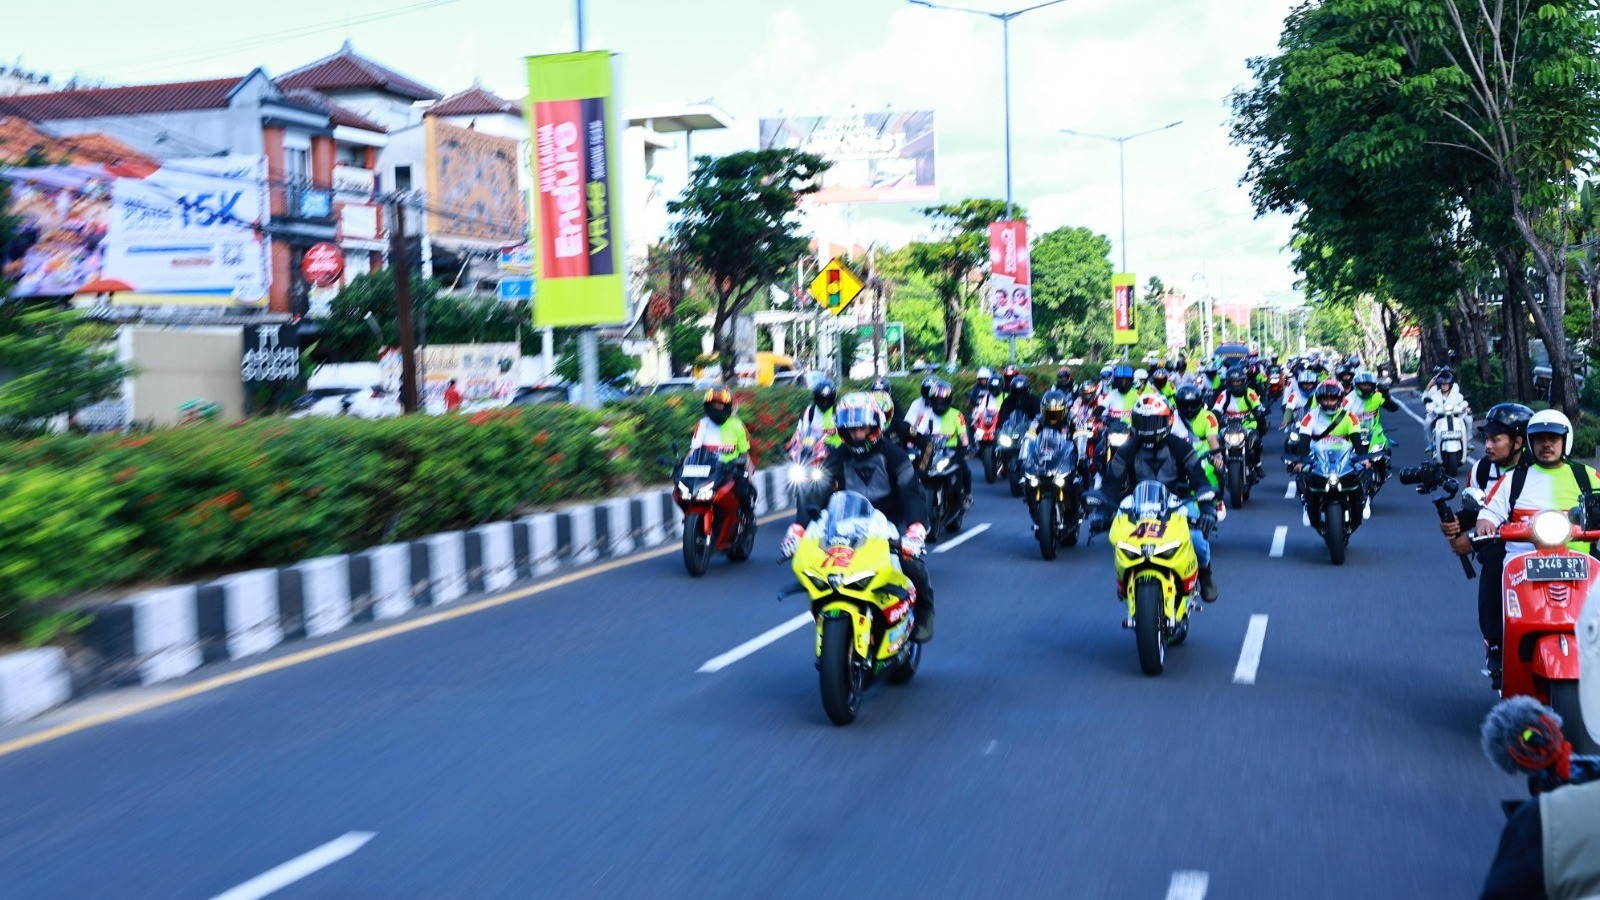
{"points": [[1556, 568], [696, 471]]}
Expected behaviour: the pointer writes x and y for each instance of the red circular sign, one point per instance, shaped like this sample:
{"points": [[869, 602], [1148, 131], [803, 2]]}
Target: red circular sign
{"points": [[323, 264]]}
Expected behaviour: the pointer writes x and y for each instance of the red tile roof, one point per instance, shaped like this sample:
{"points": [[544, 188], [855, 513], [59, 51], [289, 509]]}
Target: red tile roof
{"points": [[19, 137], [474, 101], [346, 70], [336, 113], [122, 101]]}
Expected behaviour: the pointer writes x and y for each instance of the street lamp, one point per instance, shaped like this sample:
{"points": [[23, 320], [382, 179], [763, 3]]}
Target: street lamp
{"points": [[1004, 19], [1122, 178]]}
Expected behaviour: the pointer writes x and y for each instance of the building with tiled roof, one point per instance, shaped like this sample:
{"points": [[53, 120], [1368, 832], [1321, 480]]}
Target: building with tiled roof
{"points": [[20, 138], [357, 83], [474, 101], [132, 100]]}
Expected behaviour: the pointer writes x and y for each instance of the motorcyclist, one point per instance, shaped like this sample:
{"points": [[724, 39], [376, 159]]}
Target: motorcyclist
{"points": [[979, 390], [1205, 432], [1084, 406], [1238, 400], [1053, 408], [1141, 379], [1118, 399], [1370, 399], [1064, 380], [1505, 428], [1346, 376], [943, 425], [880, 471], [1438, 398], [1020, 399], [722, 432], [1551, 845], [1329, 417], [818, 417], [1161, 385], [1299, 397], [1551, 481], [919, 406], [1158, 454]]}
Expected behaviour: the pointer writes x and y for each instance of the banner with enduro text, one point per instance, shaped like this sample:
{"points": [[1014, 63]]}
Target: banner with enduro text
{"points": [[1124, 318], [1010, 280], [576, 213]]}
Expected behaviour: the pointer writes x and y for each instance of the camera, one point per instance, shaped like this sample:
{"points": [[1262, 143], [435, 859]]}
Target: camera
{"points": [[1427, 477]]}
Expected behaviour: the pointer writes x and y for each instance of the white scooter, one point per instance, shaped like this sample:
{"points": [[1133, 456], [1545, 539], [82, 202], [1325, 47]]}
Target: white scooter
{"points": [[1451, 420]]}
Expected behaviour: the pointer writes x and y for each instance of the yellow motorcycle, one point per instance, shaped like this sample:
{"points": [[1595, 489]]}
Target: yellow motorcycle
{"points": [[849, 564], [1157, 569]]}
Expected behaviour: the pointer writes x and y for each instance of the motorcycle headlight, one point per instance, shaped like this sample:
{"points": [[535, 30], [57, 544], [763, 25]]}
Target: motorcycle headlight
{"points": [[1165, 551], [817, 579], [818, 473], [1118, 438], [1130, 549], [683, 489], [797, 473], [856, 578], [1551, 528], [1005, 440], [705, 492], [1233, 438], [943, 464], [1060, 480]]}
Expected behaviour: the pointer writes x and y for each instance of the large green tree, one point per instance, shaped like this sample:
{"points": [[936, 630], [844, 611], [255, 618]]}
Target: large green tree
{"points": [[738, 224], [1072, 292], [956, 262], [437, 319]]}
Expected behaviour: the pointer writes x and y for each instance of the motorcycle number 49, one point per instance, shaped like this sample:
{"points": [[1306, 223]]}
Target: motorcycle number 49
{"points": [[1150, 530]]}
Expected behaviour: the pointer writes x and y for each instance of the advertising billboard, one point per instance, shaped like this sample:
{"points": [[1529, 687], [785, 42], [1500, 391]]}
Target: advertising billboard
{"points": [[884, 157], [1010, 280], [1124, 315], [472, 184], [189, 232], [575, 208]]}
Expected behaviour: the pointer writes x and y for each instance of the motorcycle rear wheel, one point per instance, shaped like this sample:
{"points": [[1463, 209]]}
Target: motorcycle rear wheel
{"points": [[744, 544], [1147, 616], [1044, 519], [1564, 700], [841, 679], [1333, 531], [696, 545]]}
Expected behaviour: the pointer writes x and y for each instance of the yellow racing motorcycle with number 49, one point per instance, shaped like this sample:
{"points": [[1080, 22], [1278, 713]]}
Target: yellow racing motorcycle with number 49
{"points": [[1157, 569], [849, 564]]}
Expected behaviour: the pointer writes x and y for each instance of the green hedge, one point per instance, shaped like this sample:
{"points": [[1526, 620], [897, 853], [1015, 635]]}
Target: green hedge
{"points": [[81, 514]]}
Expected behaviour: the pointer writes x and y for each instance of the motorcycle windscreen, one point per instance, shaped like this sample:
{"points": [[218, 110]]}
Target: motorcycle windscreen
{"points": [[1150, 500], [1052, 454], [700, 465], [1331, 456], [850, 520]]}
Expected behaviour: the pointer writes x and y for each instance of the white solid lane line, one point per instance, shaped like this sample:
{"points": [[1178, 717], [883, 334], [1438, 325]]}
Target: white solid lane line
{"points": [[962, 538], [276, 879], [1188, 884], [1279, 535], [756, 643], [1250, 656], [1288, 493]]}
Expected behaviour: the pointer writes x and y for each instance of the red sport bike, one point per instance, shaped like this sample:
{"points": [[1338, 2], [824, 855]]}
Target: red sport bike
{"points": [[703, 489]]}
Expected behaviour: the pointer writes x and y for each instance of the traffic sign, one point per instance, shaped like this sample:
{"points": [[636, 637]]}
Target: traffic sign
{"points": [[514, 289], [892, 332], [835, 286]]}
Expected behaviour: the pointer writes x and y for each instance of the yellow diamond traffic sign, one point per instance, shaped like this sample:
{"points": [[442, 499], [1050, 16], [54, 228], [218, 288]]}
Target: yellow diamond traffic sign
{"points": [[835, 286]]}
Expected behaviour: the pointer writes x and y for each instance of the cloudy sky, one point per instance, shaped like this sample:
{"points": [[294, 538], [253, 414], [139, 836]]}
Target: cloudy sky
{"points": [[1092, 65]]}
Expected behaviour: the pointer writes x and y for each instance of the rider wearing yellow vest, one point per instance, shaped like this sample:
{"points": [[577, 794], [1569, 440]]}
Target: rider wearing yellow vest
{"points": [[818, 417], [945, 426], [1204, 429], [721, 431]]}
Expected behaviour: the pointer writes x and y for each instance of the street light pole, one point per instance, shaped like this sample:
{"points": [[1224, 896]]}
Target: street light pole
{"points": [[1122, 171]]}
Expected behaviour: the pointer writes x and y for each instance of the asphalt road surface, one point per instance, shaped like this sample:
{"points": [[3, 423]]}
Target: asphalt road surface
{"points": [[605, 738]]}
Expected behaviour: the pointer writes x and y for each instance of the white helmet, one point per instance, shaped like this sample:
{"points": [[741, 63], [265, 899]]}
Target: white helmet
{"points": [[1551, 421], [1141, 375]]}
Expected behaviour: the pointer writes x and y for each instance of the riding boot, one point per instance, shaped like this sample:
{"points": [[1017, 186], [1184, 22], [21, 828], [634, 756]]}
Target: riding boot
{"points": [[1492, 665], [1208, 586]]}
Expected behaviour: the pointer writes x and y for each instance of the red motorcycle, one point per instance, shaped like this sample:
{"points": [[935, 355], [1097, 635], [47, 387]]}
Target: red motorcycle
{"points": [[985, 434], [703, 489], [1544, 593]]}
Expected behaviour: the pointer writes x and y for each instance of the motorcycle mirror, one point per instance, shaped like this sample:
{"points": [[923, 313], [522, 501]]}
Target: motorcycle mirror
{"points": [[1472, 499]]}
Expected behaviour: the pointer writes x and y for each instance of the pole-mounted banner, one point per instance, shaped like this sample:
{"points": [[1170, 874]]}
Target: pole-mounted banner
{"points": [[1010, 280], [1124, 321], [576, 214]]}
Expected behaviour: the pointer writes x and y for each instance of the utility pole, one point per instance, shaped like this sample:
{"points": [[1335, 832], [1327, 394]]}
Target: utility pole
{"points": [[402, 306]]}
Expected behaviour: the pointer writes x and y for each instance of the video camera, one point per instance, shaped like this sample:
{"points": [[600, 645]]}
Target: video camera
{"points": [[1429, 477]]}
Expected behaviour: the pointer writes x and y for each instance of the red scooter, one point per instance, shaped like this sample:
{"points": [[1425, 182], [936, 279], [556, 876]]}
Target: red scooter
{"points": [[703, 489], [985, 432], [1544, 593]]}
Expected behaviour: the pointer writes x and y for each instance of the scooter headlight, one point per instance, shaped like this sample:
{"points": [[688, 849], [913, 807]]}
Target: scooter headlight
{"points": [[1551, 528]]}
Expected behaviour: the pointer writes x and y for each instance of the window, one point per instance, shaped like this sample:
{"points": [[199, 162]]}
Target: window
{"points": [[297, 165], [402, 178]]}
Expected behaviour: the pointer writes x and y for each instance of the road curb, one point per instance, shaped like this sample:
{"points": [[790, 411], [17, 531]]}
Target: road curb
{"points": [[162, 634]]}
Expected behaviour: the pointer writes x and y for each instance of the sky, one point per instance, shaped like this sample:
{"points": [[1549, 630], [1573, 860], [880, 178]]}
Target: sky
{"points": [[1114, 68]]}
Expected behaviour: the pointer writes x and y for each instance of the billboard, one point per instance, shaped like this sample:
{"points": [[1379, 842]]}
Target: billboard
{"points": [[885, 157], [1010, 280], [190, 231], [472, 184], [482, 372], [575, 209], [1124, 314]]}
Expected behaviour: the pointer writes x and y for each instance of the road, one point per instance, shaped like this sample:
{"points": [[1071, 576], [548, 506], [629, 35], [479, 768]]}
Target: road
{"points": [[569, 745]]}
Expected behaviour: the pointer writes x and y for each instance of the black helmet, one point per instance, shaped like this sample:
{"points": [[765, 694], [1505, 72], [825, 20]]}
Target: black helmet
{"points": [[1087, 390], [859, 422], [927, 386], [1010, 372], [939, 398], [996, 384], [879, 384], [1053, 408], [1159, 378], [1507, 418], [1445, 376], [1189, 401], [1122, 378], [1019, 384], [1064, 379], [1329, 395], [1235, 382], [1365, 383], [1152, 419], [823, 394], [717, 404], [1346, 374]]}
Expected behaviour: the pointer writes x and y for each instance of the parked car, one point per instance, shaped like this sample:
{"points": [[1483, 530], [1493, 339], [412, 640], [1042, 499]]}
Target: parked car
{"points": [[359, 403]]}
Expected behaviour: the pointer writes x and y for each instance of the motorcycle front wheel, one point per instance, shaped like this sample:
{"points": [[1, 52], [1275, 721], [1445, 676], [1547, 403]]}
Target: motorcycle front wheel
{"points": [[696, 545], [1016, 483], [1333, 531], [991, 469], [1452, 462], [744, 544], [1044, 519], [841, 679], [1236, 483], [1147, 616], [936, 520]]}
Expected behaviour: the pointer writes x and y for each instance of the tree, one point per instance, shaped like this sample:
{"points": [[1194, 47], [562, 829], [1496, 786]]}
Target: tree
{"points": [[614, 363], [738, 226], [1072, 292], [958, 259], [439, 318], [913, 302], [52, 362]]}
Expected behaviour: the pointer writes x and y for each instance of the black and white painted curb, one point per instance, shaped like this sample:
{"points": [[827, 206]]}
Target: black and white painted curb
{"points": [[169, 632]]}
